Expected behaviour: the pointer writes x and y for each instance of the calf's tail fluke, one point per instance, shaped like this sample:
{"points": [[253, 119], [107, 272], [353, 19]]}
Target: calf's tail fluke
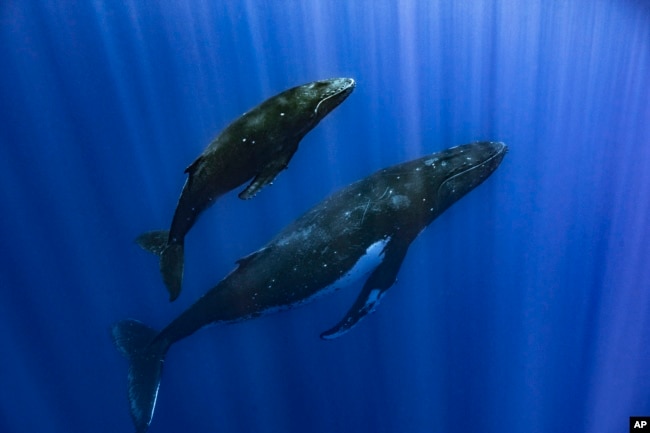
{"points": [[172, 258], [145, 354], [171, 268]]}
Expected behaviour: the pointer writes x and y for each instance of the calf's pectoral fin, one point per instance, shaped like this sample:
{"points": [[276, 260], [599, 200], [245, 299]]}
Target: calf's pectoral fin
{"points": [[380, 280], [266, 176]]}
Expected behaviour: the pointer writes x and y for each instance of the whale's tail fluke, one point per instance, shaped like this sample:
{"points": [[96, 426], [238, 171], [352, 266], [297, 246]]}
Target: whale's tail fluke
{"points": [[172, 258], [137, 343], [155, 242]]}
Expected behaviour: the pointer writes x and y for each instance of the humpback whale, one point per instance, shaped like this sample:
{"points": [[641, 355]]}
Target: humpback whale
{"points": [[256, 146], [362, 231]]}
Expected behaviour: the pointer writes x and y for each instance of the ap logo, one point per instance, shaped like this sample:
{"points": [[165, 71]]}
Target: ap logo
{"points": [[640, 424]]}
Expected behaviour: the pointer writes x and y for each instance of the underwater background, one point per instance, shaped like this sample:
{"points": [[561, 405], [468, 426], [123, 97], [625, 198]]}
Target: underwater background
{"points": [[524, 308]]}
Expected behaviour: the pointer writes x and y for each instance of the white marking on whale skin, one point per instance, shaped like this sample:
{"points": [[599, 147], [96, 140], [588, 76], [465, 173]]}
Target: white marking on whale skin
{"points": [[297, 236], [364, 212], [400, 201], [367, 263], [386, 191], [155, 399], [133, 398], [256, 120]]}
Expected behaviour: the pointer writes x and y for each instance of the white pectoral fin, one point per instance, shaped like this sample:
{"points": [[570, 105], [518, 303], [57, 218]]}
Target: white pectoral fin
{"points": [[379, 281]]}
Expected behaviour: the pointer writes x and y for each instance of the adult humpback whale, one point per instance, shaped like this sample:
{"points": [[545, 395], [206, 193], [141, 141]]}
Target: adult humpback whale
{"points": [[364, 229], [256, 146]]}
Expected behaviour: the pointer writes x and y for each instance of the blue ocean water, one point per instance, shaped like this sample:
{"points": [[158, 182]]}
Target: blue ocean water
{"points": [[523, 308]]}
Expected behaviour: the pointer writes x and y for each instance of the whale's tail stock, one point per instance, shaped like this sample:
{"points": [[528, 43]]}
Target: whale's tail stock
{"points": [[172, 257], [145, 354]]}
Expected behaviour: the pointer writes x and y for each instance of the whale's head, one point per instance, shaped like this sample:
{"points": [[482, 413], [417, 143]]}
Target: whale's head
{"points": [[460, 169], [416, 192], [296, 111], [438, 180], [326, 95], [311, 102]]}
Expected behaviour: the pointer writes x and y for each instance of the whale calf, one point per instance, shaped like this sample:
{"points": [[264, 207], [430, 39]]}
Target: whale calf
{"points": [[256, 146], [362, 231]]}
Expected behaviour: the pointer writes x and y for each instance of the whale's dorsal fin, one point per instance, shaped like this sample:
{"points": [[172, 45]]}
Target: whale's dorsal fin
{"points": [[268, 174], [192, 168], [380, 280], [246, 259]]}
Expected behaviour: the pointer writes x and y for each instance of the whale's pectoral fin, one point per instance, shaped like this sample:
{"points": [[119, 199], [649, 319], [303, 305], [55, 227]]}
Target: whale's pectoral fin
{"points": [[380, 280], [266, 175]]}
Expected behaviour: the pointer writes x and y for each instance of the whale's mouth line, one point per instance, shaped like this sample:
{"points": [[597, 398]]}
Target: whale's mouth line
{"points": [[501, 151], [341, 89]]}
